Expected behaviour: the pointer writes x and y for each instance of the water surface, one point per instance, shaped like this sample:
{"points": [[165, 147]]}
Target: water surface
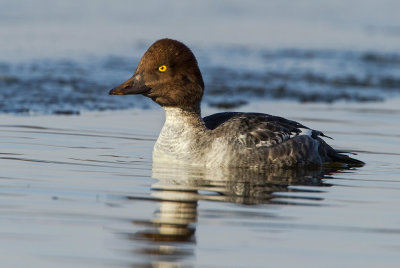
{"points": [[85, 193]]}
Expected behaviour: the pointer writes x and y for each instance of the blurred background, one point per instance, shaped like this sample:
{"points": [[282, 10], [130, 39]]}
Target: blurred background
{"points": [[62, 57]]}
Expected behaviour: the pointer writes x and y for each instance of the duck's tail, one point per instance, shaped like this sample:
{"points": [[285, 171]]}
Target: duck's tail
{"points": [[333, 155]]}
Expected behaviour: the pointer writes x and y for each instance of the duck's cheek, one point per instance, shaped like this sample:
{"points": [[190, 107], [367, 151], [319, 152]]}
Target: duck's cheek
{"points": [[156, 96], [163, 101]]}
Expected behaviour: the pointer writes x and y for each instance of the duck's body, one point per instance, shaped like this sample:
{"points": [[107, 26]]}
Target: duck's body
{"points": [[233, 139], [168, 73]]}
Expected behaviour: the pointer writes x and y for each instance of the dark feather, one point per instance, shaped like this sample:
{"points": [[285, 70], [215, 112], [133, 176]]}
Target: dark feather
{"points": [[267, 130], [261, 129]]}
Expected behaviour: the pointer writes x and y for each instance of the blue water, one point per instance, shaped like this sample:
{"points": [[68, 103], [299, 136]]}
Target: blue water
{"points": [[83, 191], [66, 86], [63, 58]]}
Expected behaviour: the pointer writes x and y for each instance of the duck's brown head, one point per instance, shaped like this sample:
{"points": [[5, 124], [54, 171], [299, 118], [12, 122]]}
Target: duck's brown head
{"points": [[168, 74]]}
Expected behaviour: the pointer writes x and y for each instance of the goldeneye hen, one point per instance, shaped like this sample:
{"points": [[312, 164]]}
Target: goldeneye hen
{"points": [[168, 73]]}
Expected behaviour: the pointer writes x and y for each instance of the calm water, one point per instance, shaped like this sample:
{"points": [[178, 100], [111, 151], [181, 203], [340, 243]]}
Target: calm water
{"points": [[84, 192], [77, 184]]}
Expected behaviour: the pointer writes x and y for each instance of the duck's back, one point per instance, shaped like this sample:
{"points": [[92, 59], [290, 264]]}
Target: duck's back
{"points": [[256, 139]]}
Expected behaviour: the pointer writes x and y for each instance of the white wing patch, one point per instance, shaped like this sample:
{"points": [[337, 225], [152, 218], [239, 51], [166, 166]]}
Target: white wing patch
{"points": [[242, 138], [306, 132], [269, 140], [265, 143], [303, 131]]}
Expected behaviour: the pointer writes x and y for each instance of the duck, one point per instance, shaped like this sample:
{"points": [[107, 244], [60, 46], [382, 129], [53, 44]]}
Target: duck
{"points": [[168, 73]]}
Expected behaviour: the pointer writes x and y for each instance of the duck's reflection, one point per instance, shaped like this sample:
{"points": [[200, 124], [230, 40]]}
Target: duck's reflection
{"points": [[171, 231]]}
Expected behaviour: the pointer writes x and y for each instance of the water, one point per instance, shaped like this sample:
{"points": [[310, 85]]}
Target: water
{"points": [[78, 186], [63, 58], [86, 193], [70, 86]]}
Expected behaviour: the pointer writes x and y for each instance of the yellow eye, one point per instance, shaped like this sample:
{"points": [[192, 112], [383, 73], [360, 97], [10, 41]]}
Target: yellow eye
{"points": [[162, 68]]}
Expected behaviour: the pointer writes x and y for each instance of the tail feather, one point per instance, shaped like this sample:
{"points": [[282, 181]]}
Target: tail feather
{"points": [[338, 156]]}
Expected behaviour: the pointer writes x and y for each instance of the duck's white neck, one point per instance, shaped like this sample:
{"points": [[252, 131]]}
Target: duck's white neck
{"points": [[179, 117], [181, 130]]}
